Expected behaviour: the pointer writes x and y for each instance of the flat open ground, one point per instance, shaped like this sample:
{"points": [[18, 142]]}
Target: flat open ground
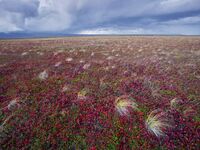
{"points": [[120, 92]]}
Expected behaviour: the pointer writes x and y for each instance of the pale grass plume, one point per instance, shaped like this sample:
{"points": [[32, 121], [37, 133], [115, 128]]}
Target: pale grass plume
{"points": [[175, 103], [158, 122], [24, 53], [14, 104], [68, 59], [105, 54], [40, 53], [124, 103], [92, 54], [58, 64], [3, 65], [58, 52], [71, 51], [43, 75], [81, 61], [83, 50], [140, 50], [86, 66], [153, 86], [113, 67], [106, 68], [63, 113], [82, 95], [65, 88], [68, 88], [113, 50], [110, 58]]}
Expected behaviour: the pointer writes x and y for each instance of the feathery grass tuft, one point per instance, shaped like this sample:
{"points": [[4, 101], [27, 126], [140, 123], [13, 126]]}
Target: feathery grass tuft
{"points": [[157, 122], [43, 75], [14, 104], [123, 103], [174, 103], [68, 59], [86, 66], [82, 94]]}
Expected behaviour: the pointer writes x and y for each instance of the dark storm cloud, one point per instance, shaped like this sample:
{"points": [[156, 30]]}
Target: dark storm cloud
{"points": [[23, 7], [101, 16]]}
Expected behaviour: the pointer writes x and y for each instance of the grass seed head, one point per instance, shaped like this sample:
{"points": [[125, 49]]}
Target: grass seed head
{"points": [[58, 64], [110, 58], [92, 54], [81, 61], [24, 53], [69, 59], [157, 122], [14, 104], [82, 94], [43, 75], [40, 53], [86, 66], [123, 103], [174, 103], [65, 88]]}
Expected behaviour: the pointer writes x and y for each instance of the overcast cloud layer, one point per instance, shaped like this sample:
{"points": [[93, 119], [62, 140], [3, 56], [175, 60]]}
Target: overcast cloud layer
{"points": [[101, 16]]}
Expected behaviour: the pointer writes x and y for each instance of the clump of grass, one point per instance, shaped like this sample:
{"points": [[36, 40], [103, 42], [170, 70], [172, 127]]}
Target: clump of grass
{"points": [[58, 64], [24, 53], [155, 89], [82, 94], [86, 66], [110, 58], [175, 103], [69, 59], [123, 103], [81, 61], [157, 122], [43, 75], [92, 54], [66, 88], [14, 104]]}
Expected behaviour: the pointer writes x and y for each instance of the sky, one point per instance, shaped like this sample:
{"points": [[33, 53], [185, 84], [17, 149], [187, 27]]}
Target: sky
{"points": [[100, 16]]}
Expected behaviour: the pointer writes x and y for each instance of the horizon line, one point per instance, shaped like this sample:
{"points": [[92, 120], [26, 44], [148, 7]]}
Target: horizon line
{"points": [[47, 35]]}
